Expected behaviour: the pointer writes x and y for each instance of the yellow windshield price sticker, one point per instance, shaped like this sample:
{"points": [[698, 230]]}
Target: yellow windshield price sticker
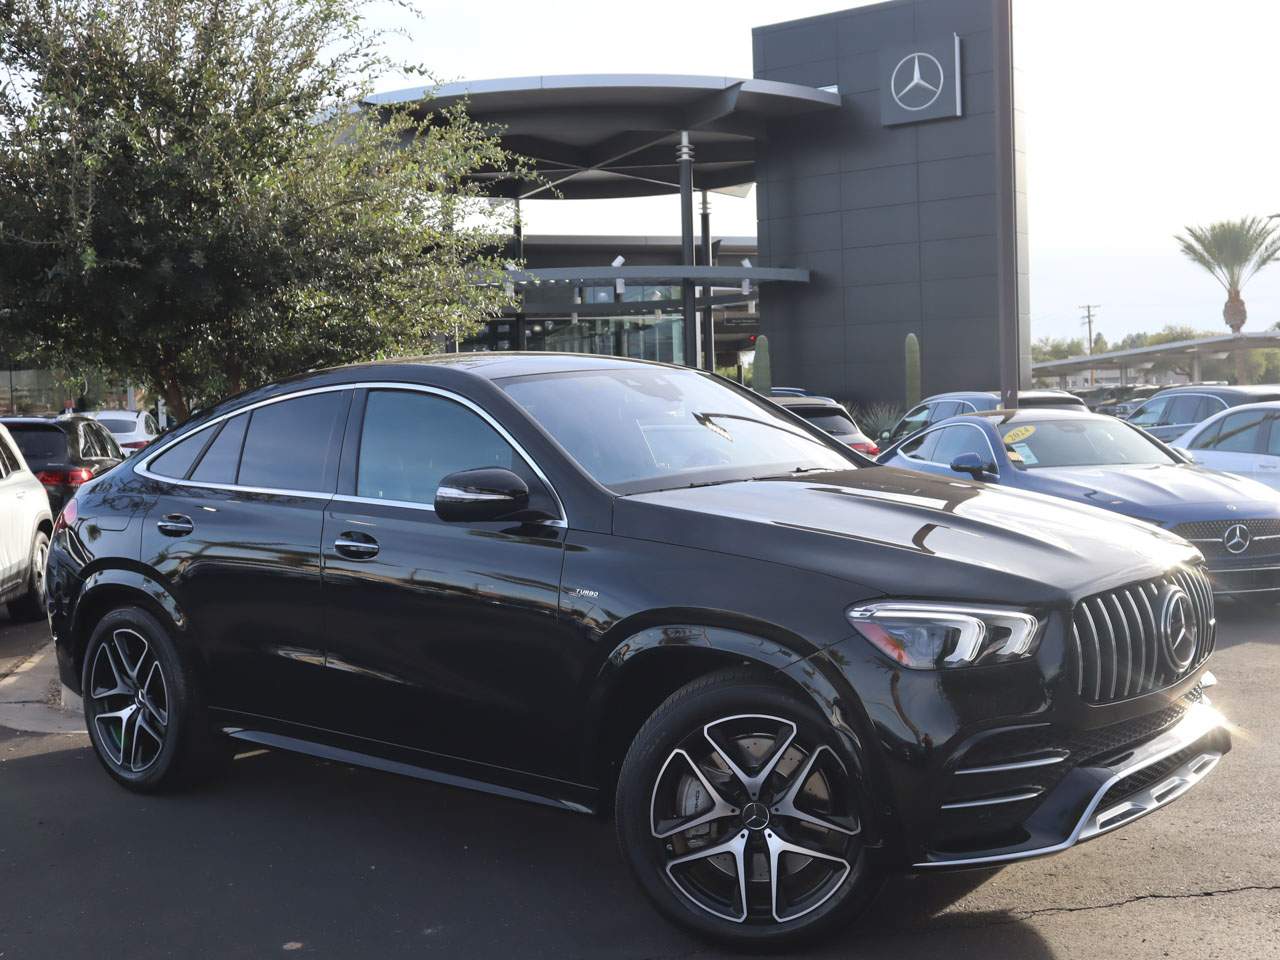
{"points": [[1018, 434]]}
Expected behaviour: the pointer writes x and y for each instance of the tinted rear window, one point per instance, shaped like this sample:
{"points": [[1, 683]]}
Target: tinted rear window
{"points": [[40, 444], [832, 421], [177, 460], [294, 444], [117, 425], [219, 463]]}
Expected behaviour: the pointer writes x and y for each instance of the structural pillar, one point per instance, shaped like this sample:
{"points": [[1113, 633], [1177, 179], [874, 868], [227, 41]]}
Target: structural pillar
{"points": [[684, 159], [1195, 368], [1006, 211], [708, 323]]}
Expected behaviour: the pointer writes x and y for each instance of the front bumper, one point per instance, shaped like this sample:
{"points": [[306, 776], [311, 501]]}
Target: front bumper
{"points": [[1101, 796], [1263, 577]]}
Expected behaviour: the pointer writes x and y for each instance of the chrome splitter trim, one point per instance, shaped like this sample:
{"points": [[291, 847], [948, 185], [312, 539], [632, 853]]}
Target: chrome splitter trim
{"points": [[1200, 720]]}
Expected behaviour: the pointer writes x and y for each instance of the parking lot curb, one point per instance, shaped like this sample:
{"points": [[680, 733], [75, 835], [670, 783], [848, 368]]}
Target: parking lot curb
{"points": [[32, 701]]}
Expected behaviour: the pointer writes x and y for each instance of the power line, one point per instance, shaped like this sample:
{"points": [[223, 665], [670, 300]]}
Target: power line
{"points": [[1088, 309]]}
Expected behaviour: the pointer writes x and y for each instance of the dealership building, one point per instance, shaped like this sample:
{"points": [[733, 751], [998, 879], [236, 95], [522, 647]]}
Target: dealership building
{"points": [[878, 155]]}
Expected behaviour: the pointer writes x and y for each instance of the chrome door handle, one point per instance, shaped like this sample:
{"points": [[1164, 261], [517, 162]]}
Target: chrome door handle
{"points": [[175, 525], [356, 546]]}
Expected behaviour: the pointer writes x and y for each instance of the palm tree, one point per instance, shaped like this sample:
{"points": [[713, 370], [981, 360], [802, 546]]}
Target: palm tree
{"points": [[1233, 251]]}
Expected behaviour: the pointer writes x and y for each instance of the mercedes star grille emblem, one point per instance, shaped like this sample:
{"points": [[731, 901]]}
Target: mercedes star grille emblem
{"points": [[1178, 628], [1237, 538], [916, 81]]}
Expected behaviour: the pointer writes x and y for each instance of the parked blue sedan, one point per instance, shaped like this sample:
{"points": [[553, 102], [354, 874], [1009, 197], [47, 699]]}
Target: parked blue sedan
{"points": [[1107, 463]]}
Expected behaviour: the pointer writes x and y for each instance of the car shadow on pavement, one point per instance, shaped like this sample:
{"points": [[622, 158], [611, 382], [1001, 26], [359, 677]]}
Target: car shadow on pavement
{"points": [[324, 859], [1245, 618]]}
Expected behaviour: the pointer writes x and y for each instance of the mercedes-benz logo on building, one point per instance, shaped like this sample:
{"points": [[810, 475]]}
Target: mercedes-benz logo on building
{"points": [[1237, 538], [917, 81], [1178, 629]]}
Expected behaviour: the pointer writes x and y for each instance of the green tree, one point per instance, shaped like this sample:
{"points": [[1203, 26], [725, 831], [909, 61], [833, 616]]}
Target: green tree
{"points": [[1232, 251], [189, 199], [1056, 348]]}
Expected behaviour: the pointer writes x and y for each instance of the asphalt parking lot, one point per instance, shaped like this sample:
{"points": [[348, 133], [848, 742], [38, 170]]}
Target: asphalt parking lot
{"points": [[291, 856]]}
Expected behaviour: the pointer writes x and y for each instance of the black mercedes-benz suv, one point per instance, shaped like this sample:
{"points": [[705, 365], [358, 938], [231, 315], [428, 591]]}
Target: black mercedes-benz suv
{"points": [[610, 585]]}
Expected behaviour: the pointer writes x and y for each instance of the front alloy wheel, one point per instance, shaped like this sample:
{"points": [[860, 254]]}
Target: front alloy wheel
{"points": [[750, 826]]}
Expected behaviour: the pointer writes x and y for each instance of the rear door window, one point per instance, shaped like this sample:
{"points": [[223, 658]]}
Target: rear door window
{"points": [[176, 461], [294, 444], [1182, 409], [1273, 441], [221, 460], [944, 409]]}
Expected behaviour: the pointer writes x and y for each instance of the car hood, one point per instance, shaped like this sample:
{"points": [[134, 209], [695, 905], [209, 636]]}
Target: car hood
{"points": [[898, 532], [1160, 492]]}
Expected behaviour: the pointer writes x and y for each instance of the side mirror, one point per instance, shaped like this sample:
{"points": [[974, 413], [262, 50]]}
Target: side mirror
{"points": [[972, 464], [490, 493]]}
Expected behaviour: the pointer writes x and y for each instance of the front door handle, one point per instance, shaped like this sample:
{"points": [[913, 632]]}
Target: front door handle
{"points": [[175, 525], [356, 546]]}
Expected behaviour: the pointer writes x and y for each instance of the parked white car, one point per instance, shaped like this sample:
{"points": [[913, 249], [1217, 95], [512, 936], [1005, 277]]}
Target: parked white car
{"points": [[133, 429], [1244, 440], [25, 525]]}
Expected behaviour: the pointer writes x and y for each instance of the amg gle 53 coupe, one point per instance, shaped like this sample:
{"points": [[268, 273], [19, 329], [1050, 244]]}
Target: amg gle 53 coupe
{"points": [[610, 585]]}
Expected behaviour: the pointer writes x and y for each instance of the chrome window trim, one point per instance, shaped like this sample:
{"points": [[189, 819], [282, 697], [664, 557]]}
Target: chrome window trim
{"points": [[142, 468]]}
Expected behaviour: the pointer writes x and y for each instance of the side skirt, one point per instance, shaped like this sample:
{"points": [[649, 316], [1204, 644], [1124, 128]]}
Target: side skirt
{"points": [[520, 786]]}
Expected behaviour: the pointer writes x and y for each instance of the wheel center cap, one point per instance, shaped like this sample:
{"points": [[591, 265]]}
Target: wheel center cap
{"points": [[755, 816]]}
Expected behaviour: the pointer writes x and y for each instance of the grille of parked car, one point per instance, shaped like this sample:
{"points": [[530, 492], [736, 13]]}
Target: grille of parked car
{"points": [[1262, 538], [1141, 637]]}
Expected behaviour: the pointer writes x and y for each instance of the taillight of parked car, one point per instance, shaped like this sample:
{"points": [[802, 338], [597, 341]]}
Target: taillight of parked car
{"points": [[135, 444], [67, 517], [72, 477], [869, 447]]}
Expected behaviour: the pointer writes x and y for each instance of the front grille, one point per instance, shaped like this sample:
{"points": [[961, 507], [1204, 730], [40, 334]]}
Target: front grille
{"points": [[1117, 637], [1264, 538]]}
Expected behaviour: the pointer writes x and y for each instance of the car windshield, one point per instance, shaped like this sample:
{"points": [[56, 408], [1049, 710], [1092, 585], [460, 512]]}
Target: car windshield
{"points": [[641, 429], [40, 444], [1078, 443]]}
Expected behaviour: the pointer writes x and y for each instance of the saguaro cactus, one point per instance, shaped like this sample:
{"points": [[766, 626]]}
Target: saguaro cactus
{"points": [[762, 368], [912, 349]]}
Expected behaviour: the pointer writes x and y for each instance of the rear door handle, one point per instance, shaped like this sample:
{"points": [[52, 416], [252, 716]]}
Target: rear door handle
{"points": [[175, 525], [356, 546]]}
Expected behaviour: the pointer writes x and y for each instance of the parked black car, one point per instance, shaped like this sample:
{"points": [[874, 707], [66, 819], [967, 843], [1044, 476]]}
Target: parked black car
{"points": [[604, 584], [831, 416], [1172, 412], [64, 453]]}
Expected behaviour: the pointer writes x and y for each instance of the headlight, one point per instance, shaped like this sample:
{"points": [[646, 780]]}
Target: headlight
{"points": [[926, 636]]}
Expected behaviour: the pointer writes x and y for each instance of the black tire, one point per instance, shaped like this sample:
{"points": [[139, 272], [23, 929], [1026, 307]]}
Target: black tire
{"points": [[750, 715], [32, 605], [169, 744]]}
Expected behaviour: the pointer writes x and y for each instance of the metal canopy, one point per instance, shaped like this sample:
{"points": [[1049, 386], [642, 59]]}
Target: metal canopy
{"points": [[594, 136], [1131, 359]]}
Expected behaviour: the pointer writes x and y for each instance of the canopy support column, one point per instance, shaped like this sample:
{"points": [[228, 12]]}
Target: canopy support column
{"points": [[684, 158]]}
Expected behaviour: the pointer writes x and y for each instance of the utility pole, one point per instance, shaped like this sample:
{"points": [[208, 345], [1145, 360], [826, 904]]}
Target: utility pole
{"points": [[1088, 309]]}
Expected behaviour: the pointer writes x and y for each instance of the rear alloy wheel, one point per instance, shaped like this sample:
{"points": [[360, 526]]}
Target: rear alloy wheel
{"points": [[748, 829], [140, 705], [32, 606]]}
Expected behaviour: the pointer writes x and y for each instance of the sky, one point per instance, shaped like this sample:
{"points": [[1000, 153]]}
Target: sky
{"points": [[1142, 116]]}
